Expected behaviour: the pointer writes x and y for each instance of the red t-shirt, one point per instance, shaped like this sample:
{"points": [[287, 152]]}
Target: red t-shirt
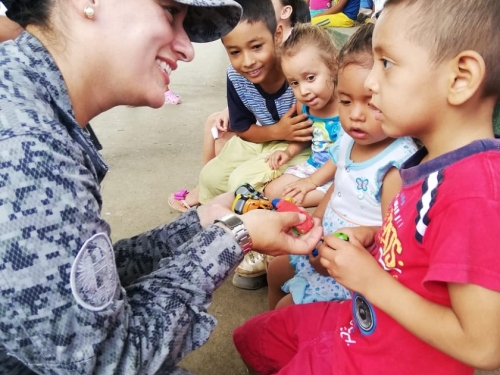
{"points": [[442, 227]]}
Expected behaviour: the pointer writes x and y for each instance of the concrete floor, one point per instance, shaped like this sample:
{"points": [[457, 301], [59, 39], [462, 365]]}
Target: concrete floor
{"points": [[152, 153]]}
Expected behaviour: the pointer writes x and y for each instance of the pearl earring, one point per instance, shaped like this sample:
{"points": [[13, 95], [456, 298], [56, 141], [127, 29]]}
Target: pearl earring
{"points": [[89, 12]]}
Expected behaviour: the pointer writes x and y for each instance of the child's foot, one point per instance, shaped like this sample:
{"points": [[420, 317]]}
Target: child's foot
{"points": [[183, 200], [171, 97]]}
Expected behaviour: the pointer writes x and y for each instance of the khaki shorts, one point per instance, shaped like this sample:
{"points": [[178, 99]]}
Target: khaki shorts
{"points": [[239, 162]]}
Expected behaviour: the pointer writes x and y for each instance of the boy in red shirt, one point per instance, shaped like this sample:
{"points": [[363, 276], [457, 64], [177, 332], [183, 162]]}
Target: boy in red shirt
{"points": [[427, 284]]}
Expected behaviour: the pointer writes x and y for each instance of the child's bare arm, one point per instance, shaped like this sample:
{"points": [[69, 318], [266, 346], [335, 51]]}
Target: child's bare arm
{"points": [[469, 330], [289, 128], [320, 209], [390, 187], [297, 190], [280, 157]]}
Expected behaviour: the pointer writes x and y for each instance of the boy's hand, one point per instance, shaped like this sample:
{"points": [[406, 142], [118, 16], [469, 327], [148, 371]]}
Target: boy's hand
{"points": [[221, 121], [293, 128], [349, 264], [277, 159], [316, 264], [360, 236], [298, 190]]}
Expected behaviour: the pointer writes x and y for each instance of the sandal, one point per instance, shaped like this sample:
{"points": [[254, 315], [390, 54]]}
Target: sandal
{"points": [[177, 201]]}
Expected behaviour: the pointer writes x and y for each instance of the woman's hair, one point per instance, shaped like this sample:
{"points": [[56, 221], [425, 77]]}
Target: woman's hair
{"points": [[306, 34], [29, 12], [358, 48], [300, 11]]}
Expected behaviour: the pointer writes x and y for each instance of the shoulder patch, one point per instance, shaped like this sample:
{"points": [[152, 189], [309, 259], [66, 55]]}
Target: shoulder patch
{"points": [[94, 278]]}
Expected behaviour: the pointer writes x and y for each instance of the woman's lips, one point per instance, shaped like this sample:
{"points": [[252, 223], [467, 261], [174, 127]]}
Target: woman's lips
{"points": [[165, 69]]}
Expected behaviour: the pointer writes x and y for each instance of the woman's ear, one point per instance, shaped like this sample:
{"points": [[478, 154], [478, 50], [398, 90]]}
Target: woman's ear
{"points": [[467, 74]]}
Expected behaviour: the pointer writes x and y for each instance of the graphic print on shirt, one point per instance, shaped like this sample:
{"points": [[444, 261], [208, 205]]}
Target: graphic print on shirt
{"points": [[389, 246], [429, 192], [346, 333]]}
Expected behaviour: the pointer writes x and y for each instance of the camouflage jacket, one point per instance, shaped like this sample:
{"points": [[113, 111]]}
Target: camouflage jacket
{"points": [[70, 301]]}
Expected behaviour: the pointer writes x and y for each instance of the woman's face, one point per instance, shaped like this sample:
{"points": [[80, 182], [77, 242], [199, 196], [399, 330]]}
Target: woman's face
{"points": [[141, 42]]}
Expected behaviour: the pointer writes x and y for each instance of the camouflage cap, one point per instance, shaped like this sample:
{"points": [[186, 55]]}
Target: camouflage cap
{"points": [[209, 20]]}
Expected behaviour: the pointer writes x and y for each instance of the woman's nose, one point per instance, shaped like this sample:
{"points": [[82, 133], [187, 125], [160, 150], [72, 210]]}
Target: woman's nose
{"points": [[182, 46]]}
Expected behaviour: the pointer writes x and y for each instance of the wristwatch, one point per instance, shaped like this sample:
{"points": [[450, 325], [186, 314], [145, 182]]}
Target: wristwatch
{"points": [[238, 229]]}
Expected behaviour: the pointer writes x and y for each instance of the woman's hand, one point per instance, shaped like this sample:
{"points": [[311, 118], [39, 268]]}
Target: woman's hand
{"points": [[277, 159], [349, 264], [298, 189], [271, 232], [217, 207]]}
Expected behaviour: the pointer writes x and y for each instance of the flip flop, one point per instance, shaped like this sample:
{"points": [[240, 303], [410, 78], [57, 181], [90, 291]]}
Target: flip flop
{"points": [[177, 201]]}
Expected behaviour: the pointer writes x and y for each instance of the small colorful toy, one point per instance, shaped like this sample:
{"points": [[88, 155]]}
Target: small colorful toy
{"points": [[247, 189], [244, 203], [284, 205], [248, 199]]}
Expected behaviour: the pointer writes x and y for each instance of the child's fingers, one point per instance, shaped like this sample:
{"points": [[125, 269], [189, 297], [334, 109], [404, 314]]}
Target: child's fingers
{"points": [[299, 198], [292, 194], [291, 111], [289, 192], [290, 186], [221, 126]]}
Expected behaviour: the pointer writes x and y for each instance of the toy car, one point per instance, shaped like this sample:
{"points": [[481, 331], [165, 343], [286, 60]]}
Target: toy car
{"points": [[244, 203], [248, 190]]}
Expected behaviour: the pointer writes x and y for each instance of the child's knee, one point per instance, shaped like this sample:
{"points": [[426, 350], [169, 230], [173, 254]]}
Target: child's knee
{"points": [[255, 172], [209, 123], [212, 181], [279, 271], [273, 190]]}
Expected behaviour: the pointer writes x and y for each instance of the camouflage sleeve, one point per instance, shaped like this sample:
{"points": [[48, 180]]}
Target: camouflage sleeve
{"points": [[63, 309], [139, 255]]}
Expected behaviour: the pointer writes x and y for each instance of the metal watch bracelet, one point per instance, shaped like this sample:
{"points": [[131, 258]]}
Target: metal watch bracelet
{"points": [[240, 232]]}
